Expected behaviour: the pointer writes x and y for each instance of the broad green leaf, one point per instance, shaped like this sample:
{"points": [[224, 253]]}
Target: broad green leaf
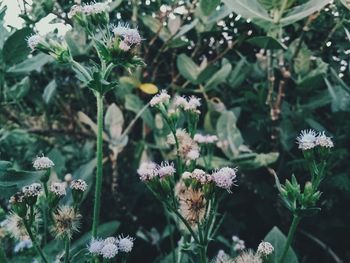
{"points": [[19, 90], [219, 77], [251, 9], [302, 11], [184, 29], [15, 47], [340, 98], [266, 42], [346, 3], [239, 73], [208, 6], [31, 64], [114, 121], [156, 27], [278, 240], [49, 91], [216, 16], [187, 68]]}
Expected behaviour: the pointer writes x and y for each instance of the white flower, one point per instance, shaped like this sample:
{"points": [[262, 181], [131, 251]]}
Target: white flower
{"points": [[95, 246], [324, 141], [42, 163], [32, 190], [58, 189], [193, 154], [166, 169], [132, 37], [307, 139], [265, 248], [75, 9], [192, 104], [162, 98], [110, 240], [198, 175], [180, 101], [125, 244], [121, 29], [109, 250], [124, 46], [34, 40], [225, 178], [188, 148], [222, 257], [147, 171], [205, 139], [238, 243], [78, 184], [27, 243], [100, 7]]}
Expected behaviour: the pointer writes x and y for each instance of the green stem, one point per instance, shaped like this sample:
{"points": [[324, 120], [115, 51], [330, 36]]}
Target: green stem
{"points": [[172, 243], [35, 244], [3, 255], [46, 190], [292, 229], [67, 246], [99, 154]]}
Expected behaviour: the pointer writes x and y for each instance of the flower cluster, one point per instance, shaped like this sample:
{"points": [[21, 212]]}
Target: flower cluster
{"points": [[308, 139], [150, 170], [78, 185], [32, 190], [205, 139], [188, 148], [198, 175], [34, 40], [238, 244], [162, 98], [88, 9], [225, 178], [108, 248], [129, 36], [190, 104], [58, 189], [42, 163], [265, 249]]}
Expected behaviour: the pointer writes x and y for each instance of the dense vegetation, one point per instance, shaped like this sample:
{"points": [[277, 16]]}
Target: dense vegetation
{"points": [[264, 70]]}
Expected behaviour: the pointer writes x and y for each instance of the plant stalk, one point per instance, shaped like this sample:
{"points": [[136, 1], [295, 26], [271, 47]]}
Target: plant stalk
{"points": [[35, 244], [67, 247], [99, 154], [292, 229]]}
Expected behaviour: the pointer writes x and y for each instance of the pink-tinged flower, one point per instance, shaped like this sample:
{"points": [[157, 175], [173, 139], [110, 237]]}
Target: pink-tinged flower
{"points": [[109, 250], [125, 244], [307, 139], [225, 178], [74, 10], [147, 171], [42, 163], [34, 40], [166, 169], [324, 141], [124, 46], [162, 98]]}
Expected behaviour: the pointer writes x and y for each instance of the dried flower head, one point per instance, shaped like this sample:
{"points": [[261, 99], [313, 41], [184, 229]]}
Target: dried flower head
{"points": [[66, 222], [147, 171], [109, 250], [79, 185], [125, 244], [14, 225], [225, 178], [95, 246], [192, 205], [265, 248], [307, 139], [34, 40], [248, 257], [166, 169], [59, 189], [32, 190], [162, 98], [324, 141], [188, 148], [42, 163]]}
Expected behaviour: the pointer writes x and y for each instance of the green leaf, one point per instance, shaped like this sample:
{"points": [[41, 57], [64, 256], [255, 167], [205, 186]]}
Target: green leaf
{"points": [[31, 64], [239, 73], [187, 68], [208, 6], [266, 42], [156, 27], [19, 90], [184, 29], [114, 121], [340, 97], [135, 104], [278, 240], [218, 77], [49, 91], [15, 47]]}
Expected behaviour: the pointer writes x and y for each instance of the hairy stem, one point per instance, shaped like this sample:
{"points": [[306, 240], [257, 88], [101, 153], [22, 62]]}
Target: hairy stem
{"points": [[292, 229], [99, 155], [32, 238], [67, 247]]}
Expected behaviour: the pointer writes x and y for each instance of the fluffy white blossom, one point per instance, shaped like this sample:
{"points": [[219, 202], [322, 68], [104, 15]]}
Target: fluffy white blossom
{"points": [[95, 8], [265, 248], [225, 178], [109, 250], [78, 184], [74, 10], [125, 244], [58, 189], [190, 104], [222, 257], [238, 244], [188, 148], [307, 139], [32, 190], [130, 36], [42, 163], [162, 98], [95, 246], [166, 169], [147, 171], [27, 243], [34, 40], [205, 139], [324, 141], [124, 46], [198, 175]]}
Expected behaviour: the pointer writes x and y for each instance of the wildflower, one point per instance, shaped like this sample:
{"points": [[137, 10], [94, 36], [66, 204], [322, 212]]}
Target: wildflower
{"points": [[32, 190], [188, 148], [95, 246], [225, 178], [42, 163], [93, 8], [125, 244], [198, 175], [205, 139], [132, 37], [192, 104], [238, 243], [324, 141], [79, 185], [18, 204], [14, 225], [121, 29], [307, 139], [265, 248], [67, 221], [147, 171], [34, 40], [192, 205], [124, 46], [166, 169], [180, 101], [58, 189], [109, 250], [222, 257], [162, 98], [23, 244], [74, 10], [248, 257]]}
